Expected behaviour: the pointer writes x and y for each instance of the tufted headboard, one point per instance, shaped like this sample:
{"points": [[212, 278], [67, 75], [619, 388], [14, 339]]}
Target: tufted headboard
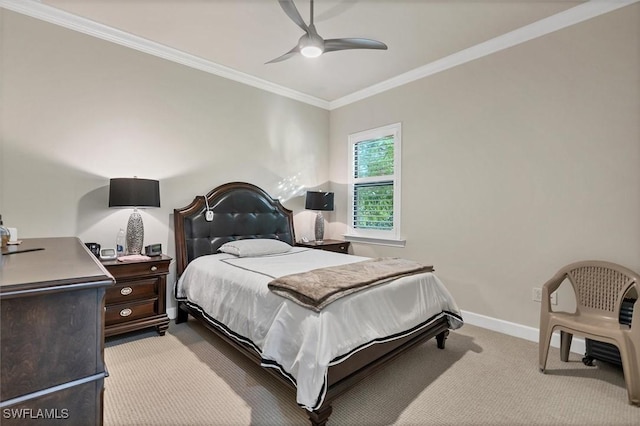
{"points": [[240, 210]]}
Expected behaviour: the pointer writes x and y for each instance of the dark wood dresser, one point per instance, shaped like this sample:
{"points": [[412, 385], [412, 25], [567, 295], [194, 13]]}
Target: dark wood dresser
{"points": [[52, 333], [138, 299]]}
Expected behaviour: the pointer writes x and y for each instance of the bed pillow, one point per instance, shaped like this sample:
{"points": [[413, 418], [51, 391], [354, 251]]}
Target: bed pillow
{"points": [[254, 247]]}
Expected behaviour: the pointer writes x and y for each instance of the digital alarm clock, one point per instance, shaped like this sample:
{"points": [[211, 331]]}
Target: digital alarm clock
{"points": [[153, 250], [108, 254]]}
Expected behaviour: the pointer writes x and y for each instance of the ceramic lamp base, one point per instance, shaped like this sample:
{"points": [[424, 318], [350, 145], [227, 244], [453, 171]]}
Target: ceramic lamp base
{"points": [[135, 233], [319, 228]]}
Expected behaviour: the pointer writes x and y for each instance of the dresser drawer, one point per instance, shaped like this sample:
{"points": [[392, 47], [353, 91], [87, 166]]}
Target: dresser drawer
{"points": [[48, 340], [132, 290], [124, 312]]}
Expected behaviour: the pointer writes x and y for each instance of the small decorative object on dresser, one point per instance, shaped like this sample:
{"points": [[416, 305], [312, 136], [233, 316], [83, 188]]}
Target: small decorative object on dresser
{"points": [[5, 235], [329, 245], [138, 300]]}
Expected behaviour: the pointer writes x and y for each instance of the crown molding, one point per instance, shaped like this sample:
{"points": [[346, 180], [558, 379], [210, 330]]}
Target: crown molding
{"points": [[569, 17], [55, 16]]}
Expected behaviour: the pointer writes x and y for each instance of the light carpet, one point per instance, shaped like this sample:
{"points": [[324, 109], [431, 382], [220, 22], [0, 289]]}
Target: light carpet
{"points": [[191, 377]]}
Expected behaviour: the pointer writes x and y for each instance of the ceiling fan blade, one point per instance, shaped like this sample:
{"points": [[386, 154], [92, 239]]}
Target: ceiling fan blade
{"points": [[290, 9], [286, 56], [335, 44]]}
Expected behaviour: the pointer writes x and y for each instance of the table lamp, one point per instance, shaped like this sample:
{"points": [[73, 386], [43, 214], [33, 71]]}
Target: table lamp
{"points": [[319, 201], [136, 193]]}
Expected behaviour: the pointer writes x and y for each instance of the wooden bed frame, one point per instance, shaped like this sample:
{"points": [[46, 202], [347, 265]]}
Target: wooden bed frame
{"points": [[242, 210]]}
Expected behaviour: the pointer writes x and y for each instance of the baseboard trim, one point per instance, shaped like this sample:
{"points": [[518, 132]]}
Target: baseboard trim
{"points": [[519, 330]]}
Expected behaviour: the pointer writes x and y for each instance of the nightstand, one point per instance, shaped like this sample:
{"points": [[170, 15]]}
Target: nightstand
{"points": [[328, 245], [138, 299]]}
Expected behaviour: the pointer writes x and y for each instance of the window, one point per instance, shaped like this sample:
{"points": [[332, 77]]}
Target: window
{"points": [[374, 185]]}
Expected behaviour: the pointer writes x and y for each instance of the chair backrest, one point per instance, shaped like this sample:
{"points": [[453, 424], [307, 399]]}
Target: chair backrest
{"points": [[600, 286]]}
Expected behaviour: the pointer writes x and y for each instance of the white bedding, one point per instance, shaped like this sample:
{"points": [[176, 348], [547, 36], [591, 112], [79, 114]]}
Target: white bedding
{"points": [[299, 342]]}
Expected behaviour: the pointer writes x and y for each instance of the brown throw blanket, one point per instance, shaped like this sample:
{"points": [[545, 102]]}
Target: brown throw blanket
{"points": [[317, 288]]}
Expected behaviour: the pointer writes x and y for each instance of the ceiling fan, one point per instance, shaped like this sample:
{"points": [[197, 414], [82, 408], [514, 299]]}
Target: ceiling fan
{"points": [[311, 45]]}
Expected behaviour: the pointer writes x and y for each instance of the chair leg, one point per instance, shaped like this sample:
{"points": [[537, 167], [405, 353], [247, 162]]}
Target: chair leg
{"points": [[565, 345], [631, 370], [543, 346]]}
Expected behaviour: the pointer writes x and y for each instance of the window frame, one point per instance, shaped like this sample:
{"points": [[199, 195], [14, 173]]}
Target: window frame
{"points": [[375, 236]]}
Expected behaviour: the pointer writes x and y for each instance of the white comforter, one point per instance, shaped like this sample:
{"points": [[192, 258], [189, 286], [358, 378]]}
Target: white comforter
{"points": [[299, 342]]}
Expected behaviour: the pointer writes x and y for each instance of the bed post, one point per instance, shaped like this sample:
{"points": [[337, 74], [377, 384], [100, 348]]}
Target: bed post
{"points": [[181, 314], [441, 337], [319, 417]]}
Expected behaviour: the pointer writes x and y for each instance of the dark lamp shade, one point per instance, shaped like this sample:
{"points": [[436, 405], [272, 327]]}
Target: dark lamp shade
{"points": [[134, 192], [318, 200]]}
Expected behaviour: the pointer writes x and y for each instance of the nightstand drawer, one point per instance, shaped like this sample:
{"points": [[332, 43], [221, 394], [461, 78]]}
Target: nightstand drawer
{"points": [[132, 290], [129, 311], [138, 269], [340, 248]]}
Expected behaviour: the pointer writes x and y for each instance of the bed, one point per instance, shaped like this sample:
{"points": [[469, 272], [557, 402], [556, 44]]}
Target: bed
{"points": [[320, 351]]}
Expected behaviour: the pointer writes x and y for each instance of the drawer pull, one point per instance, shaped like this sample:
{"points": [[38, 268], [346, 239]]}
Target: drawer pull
{"points": [[126, 312], [154, 268], [125, 291]]}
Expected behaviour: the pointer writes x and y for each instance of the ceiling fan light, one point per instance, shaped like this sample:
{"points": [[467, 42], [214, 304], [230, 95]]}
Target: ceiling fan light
{"points": [[311, 51]]}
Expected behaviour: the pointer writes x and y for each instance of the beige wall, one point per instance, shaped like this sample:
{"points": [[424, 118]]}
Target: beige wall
{"points": [[76, 111], [515, 164]]}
